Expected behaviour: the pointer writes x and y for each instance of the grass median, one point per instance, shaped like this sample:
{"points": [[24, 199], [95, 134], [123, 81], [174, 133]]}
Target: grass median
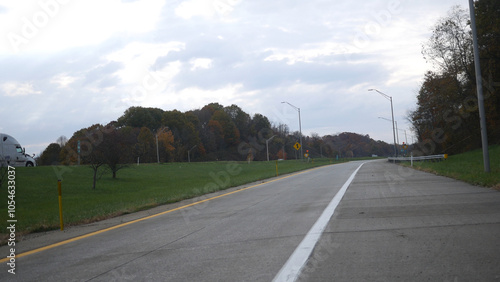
{"points": [[136, 188], [468, 167]]}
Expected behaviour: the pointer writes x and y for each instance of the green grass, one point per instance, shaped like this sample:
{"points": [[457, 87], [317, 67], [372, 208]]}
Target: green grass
{"points": [[468, 167], [136, 188]]}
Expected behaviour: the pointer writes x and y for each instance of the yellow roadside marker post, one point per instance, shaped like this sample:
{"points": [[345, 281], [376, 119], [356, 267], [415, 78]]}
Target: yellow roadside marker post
{"points": [[59, 190]]}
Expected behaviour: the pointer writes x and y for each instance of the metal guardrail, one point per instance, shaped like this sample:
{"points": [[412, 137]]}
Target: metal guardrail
{"points": [[421, 158]]}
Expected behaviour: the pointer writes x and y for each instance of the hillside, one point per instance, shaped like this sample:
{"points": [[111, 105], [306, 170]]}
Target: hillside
{"points": [[213, 132]]}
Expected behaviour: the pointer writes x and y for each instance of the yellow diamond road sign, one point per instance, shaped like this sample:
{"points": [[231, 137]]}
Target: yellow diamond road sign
{"points": [[297, 146]]}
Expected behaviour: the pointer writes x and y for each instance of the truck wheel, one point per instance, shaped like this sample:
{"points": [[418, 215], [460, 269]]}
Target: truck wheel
{"points": [[29, 164]]}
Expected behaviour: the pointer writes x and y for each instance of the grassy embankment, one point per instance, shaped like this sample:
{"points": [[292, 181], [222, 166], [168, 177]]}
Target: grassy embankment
{"points": [[136, 188], [467, 167]]}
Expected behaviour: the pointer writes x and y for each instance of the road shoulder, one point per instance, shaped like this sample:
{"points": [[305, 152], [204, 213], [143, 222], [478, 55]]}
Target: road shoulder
{"points": [[396, 223]]}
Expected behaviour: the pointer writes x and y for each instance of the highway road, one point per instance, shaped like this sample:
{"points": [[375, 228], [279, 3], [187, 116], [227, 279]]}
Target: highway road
{"points": [[392, 224]]}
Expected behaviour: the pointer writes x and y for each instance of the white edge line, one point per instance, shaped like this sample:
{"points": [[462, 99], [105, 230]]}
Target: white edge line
{"points": [[293, 267]]}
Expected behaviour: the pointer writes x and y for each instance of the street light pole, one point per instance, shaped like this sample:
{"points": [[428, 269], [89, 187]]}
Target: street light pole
{"points": [[267, 146], [300, 128], [392, 112], [404, 130], [157, 150], [406, 137], [480, 96], [397, 131], [189, 152]]}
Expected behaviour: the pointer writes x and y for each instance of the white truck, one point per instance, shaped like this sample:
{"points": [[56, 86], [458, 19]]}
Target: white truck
{"points": [[11, 152]]}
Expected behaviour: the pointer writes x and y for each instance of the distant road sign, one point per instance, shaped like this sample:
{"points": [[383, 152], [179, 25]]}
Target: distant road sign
{"points": [[306, 155], [297, 146]]}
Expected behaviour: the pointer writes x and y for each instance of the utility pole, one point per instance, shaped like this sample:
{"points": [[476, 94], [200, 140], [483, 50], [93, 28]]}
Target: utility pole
{"points": [[392, 112], [158, 150], [479, 83], [189, 153], [300, 128], [267, 146]]}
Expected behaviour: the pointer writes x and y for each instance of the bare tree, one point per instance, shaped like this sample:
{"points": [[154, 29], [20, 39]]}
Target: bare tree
{"points": [[92, 153], [114, 148], [93, 149], [62, 140], [450, 46]]}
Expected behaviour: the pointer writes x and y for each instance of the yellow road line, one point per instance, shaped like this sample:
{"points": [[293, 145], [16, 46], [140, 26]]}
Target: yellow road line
{"points": [[41, 249]]}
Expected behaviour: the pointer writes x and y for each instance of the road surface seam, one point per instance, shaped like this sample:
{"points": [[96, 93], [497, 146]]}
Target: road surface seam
{"points": [[415, 227], [143, 254]]}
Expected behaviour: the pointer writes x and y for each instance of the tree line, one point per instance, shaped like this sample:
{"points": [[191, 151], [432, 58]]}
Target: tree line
{"points": [[446, 118], [213, 132]]}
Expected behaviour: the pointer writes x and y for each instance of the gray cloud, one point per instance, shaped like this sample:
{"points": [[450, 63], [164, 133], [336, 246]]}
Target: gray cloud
{"points": [[319, 55]]}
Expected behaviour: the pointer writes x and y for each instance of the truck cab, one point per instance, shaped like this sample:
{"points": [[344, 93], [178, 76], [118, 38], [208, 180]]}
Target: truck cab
{"points": [[11, 152]]}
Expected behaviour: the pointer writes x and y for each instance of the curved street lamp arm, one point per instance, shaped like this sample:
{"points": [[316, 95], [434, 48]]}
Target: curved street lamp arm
{"points": [[297, 109], [381, 93]]}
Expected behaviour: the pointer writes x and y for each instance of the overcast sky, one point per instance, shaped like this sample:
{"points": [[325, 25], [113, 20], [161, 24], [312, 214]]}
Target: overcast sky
{"points": [[65, 65]]}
